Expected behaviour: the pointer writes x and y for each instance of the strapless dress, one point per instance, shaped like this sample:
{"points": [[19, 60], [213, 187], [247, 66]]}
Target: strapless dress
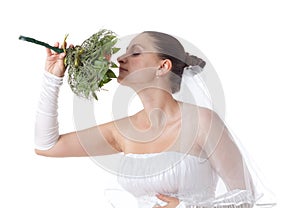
{"points": [[183, 176]]}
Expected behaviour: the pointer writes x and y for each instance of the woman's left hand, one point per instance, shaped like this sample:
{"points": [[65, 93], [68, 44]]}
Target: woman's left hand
{"points": [[172, 202]]}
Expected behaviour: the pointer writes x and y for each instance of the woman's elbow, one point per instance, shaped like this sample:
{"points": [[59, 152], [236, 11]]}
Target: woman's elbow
{"points": [[47, 150], [42, 153], [52, 152]]}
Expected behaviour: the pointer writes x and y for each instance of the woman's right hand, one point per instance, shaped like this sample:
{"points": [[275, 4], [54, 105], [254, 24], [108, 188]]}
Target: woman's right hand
{"points": [[55, 62]]}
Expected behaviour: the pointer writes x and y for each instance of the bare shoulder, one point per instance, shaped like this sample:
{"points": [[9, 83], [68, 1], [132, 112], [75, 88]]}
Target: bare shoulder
{"points": [[207, 116], [203, 114], [205, 120]]}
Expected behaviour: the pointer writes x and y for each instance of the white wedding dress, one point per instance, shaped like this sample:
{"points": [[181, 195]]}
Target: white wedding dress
{"points": [[170, 173], [186, 177]]}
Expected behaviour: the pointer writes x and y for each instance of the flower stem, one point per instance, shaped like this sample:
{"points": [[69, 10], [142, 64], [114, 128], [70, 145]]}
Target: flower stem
{"points": [[56, 49]]}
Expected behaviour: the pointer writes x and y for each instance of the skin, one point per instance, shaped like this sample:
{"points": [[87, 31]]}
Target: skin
{"points": [[142, 70]]}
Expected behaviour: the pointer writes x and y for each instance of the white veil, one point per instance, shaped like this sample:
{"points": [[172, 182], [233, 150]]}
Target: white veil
{"points": [[200, 87]]}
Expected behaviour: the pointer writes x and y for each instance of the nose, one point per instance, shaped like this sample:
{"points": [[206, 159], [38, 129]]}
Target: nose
{"points": [[122, 59]]}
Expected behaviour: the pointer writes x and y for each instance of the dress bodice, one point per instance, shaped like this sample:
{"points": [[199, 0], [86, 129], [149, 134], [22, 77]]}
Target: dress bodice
{"points": [[171, 173]]}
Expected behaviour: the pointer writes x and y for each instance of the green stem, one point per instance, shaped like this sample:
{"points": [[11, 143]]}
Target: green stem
{"points": [[56, 49]]}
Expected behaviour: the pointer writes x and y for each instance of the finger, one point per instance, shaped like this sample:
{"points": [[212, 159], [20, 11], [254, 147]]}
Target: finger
{"points": [[48, 51], [56, 44], [62, 55], [164, 198]]}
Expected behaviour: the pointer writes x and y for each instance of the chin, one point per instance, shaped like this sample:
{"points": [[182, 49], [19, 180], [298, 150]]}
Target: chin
{"points": [[120, 80]]}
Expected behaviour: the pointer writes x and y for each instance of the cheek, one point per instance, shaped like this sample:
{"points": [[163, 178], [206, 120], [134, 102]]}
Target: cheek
{"points": [[137, 64], [144, 61], [140, 76]]}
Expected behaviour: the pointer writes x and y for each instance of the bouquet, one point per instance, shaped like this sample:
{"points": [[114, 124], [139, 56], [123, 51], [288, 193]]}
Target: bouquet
{"points": [[88, 65]]}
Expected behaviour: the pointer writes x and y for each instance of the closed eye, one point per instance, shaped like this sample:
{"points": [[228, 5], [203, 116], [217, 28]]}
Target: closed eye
{"points": [[136, 54]]}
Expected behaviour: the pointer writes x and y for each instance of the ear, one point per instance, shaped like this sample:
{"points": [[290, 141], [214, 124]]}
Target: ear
{"points": [[165, 66]]}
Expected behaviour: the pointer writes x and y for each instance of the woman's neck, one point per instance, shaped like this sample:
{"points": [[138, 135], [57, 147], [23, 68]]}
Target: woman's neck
{"points": [[159, 107]]}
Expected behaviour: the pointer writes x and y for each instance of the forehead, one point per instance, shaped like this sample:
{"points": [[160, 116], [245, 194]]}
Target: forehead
{"points": [[145, 41]]}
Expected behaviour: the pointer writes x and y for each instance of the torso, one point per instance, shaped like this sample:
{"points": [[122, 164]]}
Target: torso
{"points": [[179, 135], [166, 160]]}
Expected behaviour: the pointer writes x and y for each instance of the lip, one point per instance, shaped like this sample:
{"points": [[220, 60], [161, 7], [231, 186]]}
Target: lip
{"points": [[122, 69]]}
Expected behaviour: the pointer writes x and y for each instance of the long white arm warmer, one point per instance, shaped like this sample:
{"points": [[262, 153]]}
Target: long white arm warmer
{"points": [[46, 124]]}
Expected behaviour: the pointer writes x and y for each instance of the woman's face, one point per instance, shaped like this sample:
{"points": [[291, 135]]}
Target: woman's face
{"points": [[140, 62]]}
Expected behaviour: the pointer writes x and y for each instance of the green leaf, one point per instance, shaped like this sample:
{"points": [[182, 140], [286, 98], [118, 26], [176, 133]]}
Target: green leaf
{"points": [[111, 74], [115, 50], [113, 65], [94, 95]]}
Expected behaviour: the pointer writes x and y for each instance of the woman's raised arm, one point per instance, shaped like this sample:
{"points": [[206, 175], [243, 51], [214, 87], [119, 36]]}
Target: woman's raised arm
{"points": [[98, 140]]}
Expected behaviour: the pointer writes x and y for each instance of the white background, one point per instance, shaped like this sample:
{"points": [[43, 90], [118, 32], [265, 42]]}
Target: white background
{"points": [[253, 45]]}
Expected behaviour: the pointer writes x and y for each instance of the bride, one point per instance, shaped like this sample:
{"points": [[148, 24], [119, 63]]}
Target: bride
{"points": [[173, 153]]}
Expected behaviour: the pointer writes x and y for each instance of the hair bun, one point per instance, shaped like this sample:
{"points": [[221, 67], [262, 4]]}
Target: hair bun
{"points": [[192, 60]]}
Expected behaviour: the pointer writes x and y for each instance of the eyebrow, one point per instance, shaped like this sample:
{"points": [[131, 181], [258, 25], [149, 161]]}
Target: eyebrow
{"points": [[134, 45]]}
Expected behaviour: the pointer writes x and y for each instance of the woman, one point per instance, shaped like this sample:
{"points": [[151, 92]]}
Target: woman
{"points": [[174, 153]]}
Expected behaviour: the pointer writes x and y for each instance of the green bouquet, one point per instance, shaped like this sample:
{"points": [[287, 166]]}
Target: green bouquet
{"points": [[89, 65]]}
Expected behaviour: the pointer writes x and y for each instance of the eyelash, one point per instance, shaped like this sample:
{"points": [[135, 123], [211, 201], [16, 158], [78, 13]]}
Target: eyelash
{"points": [[136, 54]]}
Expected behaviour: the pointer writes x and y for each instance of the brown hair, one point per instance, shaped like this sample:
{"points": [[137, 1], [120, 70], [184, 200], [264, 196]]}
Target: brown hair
{"points": [[170, 48]]}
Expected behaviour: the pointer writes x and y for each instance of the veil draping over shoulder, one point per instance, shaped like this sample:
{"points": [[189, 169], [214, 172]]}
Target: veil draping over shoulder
{"points": [[201, 87]]}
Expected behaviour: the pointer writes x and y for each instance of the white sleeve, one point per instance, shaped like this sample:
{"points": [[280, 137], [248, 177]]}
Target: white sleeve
{"points": [[46, 124]]}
